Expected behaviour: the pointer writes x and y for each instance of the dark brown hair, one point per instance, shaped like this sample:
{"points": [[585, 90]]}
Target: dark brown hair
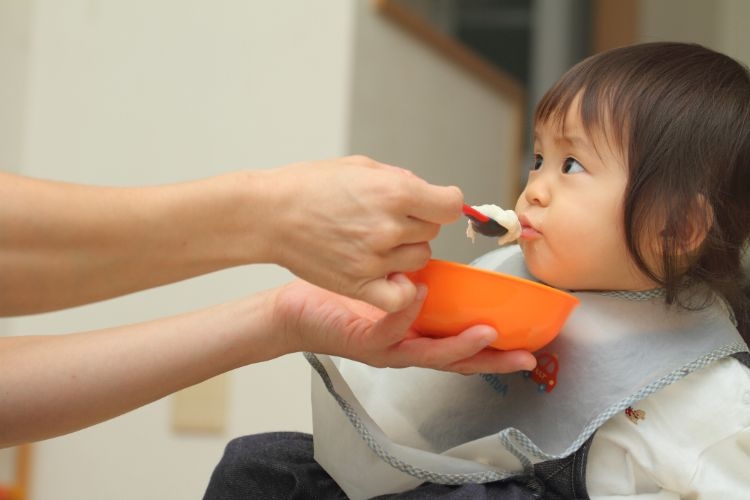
{"points": [[680, 116]]}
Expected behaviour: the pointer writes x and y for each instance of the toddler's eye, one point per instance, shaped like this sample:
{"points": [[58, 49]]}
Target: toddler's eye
{"points": [[538, 160], [571, 166]]}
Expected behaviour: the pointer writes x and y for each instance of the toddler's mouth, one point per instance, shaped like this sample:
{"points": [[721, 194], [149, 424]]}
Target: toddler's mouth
{"points": [[528, 230]]}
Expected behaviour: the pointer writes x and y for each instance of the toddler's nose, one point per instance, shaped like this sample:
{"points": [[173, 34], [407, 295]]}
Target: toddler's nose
{"points": [[536, 191]]}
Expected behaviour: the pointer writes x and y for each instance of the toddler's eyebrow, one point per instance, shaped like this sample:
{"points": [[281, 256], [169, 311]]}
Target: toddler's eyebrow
{"points": [[575, 141]]}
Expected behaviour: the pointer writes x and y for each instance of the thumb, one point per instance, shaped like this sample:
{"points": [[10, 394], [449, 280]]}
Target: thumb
{"points": [[394, 327], [391, 294]]}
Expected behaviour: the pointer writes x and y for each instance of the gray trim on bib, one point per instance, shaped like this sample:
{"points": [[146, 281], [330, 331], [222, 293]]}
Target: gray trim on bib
{"points": [[372, 443], [513, 439]]}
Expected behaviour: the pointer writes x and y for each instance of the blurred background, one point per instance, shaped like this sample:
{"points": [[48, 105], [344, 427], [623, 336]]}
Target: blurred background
{"points": [[158, 91]]}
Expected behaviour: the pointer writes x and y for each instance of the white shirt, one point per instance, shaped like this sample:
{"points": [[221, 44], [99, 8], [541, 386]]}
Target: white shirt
{"points": [[693, 442]]}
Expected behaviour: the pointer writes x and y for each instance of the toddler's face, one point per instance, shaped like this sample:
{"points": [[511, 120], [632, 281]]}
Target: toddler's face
{"points": [[571, 211]]}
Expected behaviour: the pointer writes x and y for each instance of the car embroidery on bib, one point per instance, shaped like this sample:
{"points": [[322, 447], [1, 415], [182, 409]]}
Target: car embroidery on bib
{"points": [[545, 372]]}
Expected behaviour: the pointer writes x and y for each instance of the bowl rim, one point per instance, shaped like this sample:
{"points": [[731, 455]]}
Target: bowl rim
{"points": [[525, 281]]}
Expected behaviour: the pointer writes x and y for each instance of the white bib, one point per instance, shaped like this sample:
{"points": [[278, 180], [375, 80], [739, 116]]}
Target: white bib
{"points": [[380, 431]]}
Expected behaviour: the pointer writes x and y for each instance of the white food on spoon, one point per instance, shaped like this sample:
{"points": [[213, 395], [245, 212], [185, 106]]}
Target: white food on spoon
{"points": [[506, 218], [470, 233]]}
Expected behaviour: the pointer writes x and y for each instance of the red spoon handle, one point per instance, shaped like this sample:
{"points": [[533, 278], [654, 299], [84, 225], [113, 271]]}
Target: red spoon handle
{"points": [[474, 214]]}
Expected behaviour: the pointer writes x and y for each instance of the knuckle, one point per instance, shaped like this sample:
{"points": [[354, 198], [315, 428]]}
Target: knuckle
{"points": [[402, 194], [421, 253], [424, 252], [384, 234], [433, 231], [361, 160], [368, 268], [395, 196]]}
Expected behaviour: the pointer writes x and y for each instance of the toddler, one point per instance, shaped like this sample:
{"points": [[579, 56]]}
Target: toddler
{"points": [[638, 202]]}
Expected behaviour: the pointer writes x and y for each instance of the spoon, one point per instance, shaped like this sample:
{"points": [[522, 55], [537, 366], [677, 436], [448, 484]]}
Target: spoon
{"points": [[483, 224]]}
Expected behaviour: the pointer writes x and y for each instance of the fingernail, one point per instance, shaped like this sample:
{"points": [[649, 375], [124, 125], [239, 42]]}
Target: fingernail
{"points": [[529, 365], [488, 337]]}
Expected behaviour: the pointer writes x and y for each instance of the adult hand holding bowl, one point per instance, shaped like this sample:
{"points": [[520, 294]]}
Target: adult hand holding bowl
{"points": [[527, 315]]}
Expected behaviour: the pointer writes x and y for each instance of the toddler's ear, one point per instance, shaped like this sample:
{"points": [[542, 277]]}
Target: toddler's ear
{"points": [[695, 227], [701, 220]]}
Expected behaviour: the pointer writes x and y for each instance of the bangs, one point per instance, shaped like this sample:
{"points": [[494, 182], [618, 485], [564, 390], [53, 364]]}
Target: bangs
{"points": [[603, 100]]}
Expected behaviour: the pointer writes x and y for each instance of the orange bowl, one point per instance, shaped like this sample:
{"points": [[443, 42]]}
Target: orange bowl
{"points": [[527, 315]]}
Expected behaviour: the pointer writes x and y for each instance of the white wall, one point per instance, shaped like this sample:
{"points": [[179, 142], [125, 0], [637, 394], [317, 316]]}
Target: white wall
{"points": [[15, 18], [144, 92]]}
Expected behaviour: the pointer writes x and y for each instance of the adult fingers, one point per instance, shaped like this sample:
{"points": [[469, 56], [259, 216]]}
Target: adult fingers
{"points": [[494, 361], [411, 230], [438, 204], [391, 294], [442, 353], [406, 258], [465, 353]]}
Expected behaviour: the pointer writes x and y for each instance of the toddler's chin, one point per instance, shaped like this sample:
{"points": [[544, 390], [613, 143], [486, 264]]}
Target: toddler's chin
{"points": [[546, 275]]}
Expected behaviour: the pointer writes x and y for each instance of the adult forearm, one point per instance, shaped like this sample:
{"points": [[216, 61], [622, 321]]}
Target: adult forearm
{"points": [[346, 225], [58, 384], [55, 385], [63, 244]]}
